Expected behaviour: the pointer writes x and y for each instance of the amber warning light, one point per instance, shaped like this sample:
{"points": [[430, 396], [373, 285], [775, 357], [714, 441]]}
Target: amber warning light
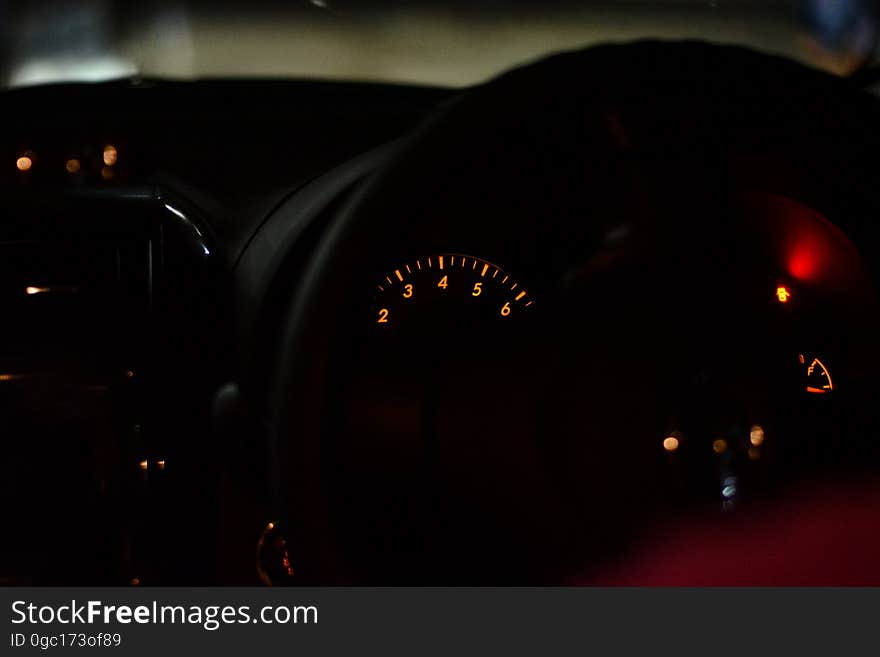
{"points": [[783, 294]]}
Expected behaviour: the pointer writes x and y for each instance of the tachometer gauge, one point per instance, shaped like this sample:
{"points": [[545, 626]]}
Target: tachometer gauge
{"points": [[817, 375], [448, 287]]}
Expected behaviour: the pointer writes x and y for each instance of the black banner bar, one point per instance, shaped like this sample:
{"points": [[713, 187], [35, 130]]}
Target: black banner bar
{"points": [[448, 621]]}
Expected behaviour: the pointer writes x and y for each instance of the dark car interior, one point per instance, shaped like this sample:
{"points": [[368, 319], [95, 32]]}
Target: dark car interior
{"points": [[571, 325]]}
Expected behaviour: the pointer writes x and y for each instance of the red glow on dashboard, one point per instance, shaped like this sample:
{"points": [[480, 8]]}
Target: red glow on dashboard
{"points": [[813, 248], [803, 260], [808, 250]]}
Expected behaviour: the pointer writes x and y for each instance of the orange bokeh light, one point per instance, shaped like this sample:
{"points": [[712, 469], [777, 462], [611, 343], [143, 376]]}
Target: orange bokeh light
{"points": [[670, 443], [110, 155], [756, 435]]}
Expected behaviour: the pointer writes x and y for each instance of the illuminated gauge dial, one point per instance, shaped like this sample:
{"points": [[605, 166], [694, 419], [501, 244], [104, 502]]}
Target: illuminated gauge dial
{"points": [[450, 286], [817, 375]]}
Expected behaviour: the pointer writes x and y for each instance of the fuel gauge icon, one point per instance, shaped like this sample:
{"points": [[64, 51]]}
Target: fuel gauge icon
{"points": [[818, 378]]}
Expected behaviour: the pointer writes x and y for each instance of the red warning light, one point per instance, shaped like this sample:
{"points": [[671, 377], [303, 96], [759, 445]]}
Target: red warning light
{"points": [[783, 294]]}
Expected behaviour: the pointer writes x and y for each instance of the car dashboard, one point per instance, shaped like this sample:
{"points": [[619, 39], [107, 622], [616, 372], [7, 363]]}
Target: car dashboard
{"points": [[565, 327], [125, 208]]}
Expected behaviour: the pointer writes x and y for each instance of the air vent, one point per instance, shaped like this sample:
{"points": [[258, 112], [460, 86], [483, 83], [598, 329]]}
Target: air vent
{"points": [[75, 305]]}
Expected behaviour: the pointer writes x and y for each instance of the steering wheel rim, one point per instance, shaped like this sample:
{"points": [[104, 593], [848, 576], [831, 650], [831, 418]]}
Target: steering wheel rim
{"points": [[318, 318]]}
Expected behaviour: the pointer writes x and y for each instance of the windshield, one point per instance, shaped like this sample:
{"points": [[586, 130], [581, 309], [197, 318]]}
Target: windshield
{"points": [[455, 43]]}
